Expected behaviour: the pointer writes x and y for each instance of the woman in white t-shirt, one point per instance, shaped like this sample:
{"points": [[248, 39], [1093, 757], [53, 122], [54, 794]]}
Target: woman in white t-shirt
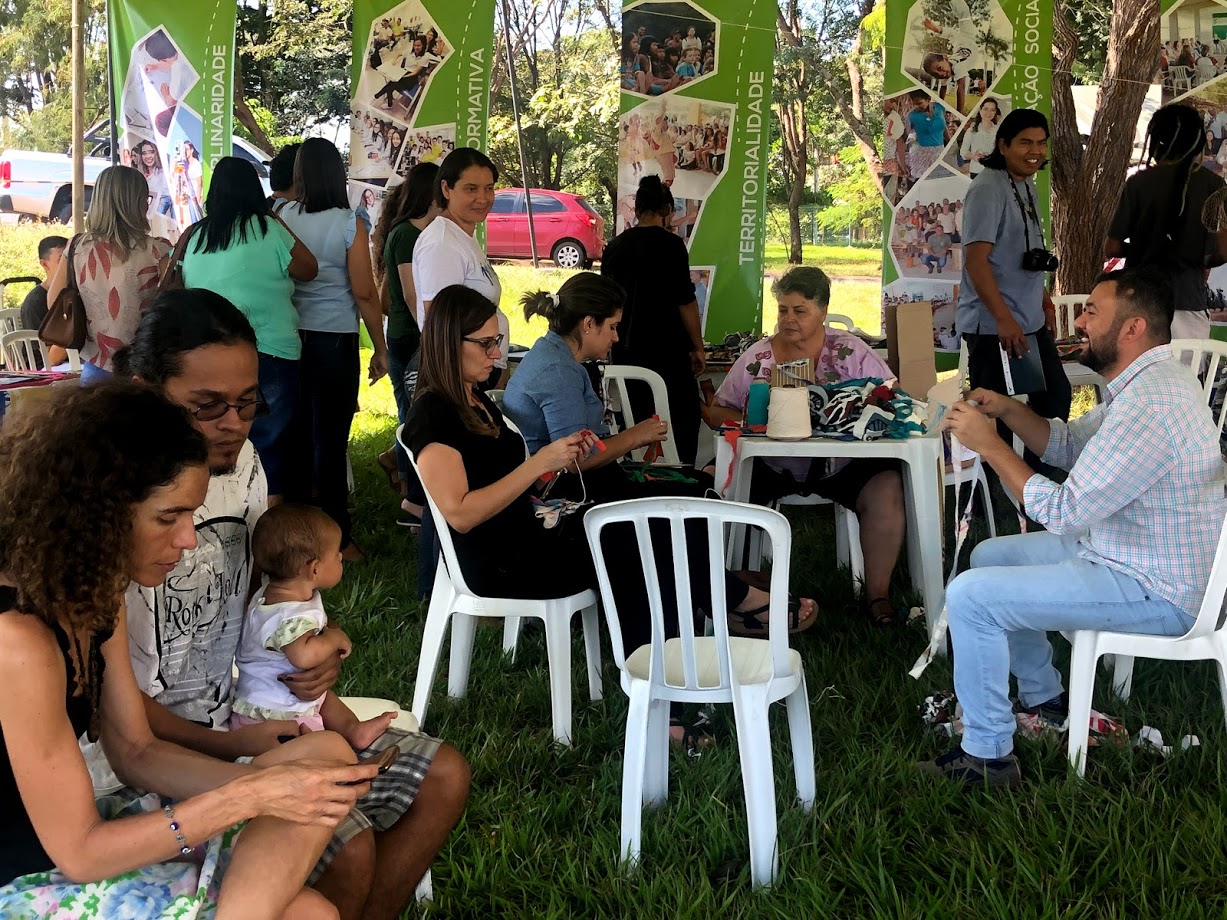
{"points": [[894, 148], [980, 140], [447, 252]]}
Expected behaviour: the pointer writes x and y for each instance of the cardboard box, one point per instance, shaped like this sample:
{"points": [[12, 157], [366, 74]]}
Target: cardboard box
{"points": [[909, 346]]}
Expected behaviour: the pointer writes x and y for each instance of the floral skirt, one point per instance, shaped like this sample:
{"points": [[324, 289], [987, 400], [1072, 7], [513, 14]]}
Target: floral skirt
{"points": [[185, 890]]}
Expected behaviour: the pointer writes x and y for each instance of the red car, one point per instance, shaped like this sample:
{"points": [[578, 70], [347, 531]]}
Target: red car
{"points": [[568, 228]]}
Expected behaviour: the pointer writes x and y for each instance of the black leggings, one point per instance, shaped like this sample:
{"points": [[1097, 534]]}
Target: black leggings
{"points": [[556, 563]]}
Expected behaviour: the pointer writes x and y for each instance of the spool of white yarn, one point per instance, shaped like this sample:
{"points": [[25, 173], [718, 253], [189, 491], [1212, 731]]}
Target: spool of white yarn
{"points": [[788, 414]]}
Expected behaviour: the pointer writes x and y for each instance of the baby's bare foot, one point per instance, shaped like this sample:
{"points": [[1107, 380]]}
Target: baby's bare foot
{"points": [[364, 734]]}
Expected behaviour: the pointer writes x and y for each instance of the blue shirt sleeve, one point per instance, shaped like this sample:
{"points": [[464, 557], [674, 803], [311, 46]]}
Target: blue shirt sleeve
{"points": [[982, 212], [560, 395]]}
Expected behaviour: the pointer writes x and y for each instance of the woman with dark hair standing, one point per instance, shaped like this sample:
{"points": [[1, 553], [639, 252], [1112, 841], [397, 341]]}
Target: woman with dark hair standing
{"points": [[447, 252], [660, 321], [1159, 218], [329, 306], [980, 140], [246, 253], [409, 210]]}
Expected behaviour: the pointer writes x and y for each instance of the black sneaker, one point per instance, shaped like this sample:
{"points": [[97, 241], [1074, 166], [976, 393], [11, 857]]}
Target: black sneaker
{"points": [[1054, 711], [957, 765]]}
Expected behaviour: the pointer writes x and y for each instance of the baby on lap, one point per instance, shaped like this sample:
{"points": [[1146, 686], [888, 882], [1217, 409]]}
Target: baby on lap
{"points": [[299, 548]]}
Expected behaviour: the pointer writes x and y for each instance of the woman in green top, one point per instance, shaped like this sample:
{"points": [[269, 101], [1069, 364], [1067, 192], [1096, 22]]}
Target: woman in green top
{"points": [[243, 251], [407, 212]]}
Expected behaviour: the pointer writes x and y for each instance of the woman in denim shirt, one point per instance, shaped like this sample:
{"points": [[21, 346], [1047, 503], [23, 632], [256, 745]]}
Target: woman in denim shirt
{"points": [[551, 394]]}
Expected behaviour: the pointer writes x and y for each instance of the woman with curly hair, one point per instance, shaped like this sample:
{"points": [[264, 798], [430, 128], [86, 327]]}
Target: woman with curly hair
{"points": [[66, 469]]}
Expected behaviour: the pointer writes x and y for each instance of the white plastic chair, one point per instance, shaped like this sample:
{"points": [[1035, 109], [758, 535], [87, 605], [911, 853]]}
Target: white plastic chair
{"points": [[1204, 641], [615, 377], [1069, 308], [1208, 358], [10, 319], [451, 600], [20, 349], [1180, 78], [750, 673]]}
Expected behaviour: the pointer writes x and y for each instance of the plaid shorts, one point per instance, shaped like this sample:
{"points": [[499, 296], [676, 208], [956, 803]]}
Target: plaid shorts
{"points": [[391, 794]]}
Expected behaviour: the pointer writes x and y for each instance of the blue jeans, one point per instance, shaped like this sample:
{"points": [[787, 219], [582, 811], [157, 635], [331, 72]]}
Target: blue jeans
{"points": [[933, 261], [92, 373], [1018, 588], [400, 351], [279, 389]]}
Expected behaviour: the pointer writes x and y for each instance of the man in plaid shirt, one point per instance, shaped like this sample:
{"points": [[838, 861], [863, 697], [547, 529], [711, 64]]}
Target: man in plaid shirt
{"points": [[1131, 533]]}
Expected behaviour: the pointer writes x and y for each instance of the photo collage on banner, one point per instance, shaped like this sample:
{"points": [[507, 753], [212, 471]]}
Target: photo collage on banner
{"points": [[173, 83], [696, 86], [954, 69], [1193, 71], [421, 82]]}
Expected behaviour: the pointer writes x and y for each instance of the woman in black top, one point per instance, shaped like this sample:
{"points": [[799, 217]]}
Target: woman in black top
{"points": [[474, 467], [79, 520], [660, 327], [1159, 218]]}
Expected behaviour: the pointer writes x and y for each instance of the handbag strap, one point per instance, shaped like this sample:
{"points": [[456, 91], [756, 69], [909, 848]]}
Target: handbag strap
{"points": [[71, 283], [177, 254]]}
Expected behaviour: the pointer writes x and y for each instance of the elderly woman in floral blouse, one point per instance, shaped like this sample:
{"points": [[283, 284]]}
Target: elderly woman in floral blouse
{"points": [[870, 487]]}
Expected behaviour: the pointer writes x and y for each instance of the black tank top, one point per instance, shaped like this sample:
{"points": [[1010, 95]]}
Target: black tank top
{"points": [[20, 850]]}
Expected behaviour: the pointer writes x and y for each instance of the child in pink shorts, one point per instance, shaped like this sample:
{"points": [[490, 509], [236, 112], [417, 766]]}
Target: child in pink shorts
{"points": [[298, 548]]}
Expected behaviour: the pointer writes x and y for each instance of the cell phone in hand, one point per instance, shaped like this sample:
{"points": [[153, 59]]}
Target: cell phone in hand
{"points": [[383, 760]]}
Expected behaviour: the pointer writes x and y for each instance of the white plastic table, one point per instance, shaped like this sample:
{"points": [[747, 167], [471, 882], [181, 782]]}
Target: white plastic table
{"points": [[922, 493]]}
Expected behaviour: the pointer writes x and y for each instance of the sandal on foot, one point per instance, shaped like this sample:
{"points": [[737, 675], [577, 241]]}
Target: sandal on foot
{"points": [[695, 739], [747, 623], [387, 461], [881, 613]]}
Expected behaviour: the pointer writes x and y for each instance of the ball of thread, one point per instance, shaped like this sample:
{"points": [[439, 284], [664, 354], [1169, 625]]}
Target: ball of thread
{"points": [[788, 413]]}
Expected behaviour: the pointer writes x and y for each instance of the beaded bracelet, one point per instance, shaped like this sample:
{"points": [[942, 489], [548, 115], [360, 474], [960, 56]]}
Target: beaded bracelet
{"points": [[184, 849]]}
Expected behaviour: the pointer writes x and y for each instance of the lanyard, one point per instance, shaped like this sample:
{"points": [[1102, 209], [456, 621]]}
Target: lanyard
{"points": [[1028, 210]]}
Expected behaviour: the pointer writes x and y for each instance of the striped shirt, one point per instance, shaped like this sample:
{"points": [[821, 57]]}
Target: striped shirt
{"points": [[1146, 480]]}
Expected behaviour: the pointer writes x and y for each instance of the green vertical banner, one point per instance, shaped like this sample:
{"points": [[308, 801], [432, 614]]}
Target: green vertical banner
{"points": [[421, 86], [696, 110], [174, 85], [954, 69]]}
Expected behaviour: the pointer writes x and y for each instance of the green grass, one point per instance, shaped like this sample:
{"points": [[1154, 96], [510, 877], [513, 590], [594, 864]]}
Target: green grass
{"points": [[540, 836], [836, 261]]}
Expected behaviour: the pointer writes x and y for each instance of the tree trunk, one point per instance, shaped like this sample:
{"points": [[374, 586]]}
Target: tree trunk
{"points": [[794, 220], [794, 129], [244, 114], [1085, 197]]}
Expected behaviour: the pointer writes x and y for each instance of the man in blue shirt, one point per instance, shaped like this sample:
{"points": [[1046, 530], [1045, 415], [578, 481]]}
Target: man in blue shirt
{"points": [[1002, 299], [1131, 534]]}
